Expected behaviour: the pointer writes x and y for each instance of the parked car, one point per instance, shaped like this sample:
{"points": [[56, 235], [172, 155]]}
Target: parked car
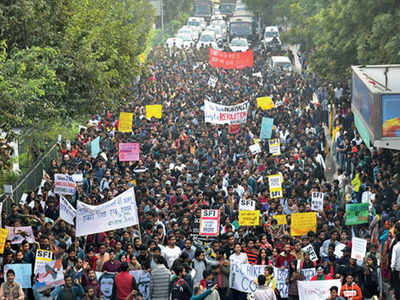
{"points": [[197, 22], [207, 39], [219, 33], [239, 45]]}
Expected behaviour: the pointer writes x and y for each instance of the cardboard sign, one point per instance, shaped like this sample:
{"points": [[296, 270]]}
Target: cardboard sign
{"points": [[281, 219], [125, 122], [215, 113], [265, 103], [255, 149], [154, 111], [310, 249], [247, 204], [358, 248], [242, 277], [129, 151], [275, 147], [317, 201], [67, 211], [308, 273], [249, 218], [302, 223], [18, 234], [48, 270], [275, 186], [23, 273], [209, 222]]}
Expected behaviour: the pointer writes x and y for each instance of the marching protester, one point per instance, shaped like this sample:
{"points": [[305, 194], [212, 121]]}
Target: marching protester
{"points": [[199, 189]]}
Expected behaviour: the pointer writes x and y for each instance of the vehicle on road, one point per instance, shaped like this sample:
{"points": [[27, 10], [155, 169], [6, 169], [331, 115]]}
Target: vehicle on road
{"points": [[239, 45], [227, 7], [208, 39], [187, 39], [189, 30], [271, 40], [243, 27], [203, 8], [197, 23], [280, 64]]}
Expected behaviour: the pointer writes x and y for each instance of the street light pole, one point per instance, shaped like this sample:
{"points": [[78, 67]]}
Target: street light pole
{"points": [[162, 15]]}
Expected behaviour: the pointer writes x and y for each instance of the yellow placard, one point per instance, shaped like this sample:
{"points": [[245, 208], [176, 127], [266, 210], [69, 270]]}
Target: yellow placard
{"points": [[281, 219], [142, 58], [125, 122], [356, 183], [265, 103], [249, 218], [3, 238], [154, 111], [302, 223]]}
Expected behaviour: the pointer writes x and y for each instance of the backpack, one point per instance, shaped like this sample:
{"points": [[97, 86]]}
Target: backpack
{"points": [[177, 290]]}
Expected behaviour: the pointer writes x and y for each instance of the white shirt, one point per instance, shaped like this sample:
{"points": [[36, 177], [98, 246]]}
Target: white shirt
{"points": [[238, 259], [264, 293], [170, 254], [395, 263]]}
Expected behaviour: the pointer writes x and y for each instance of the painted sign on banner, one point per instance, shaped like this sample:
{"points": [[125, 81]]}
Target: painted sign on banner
{"points": [[225, 114], [234, 128], [212, 81], [308, 273], [275, 186], [67, 211], [281, 279], [281, 219], [246, 204], [317, 290], [358, 248], [49, 271], [23, 274], [230, 60], [242, 277], [310, 249], [249, 218], [117, 213], [143, 281], [302, 223], [129, 151], [255, 149], [265, 103], [64, 184], [266, 128], [18, 234], [209, 222], [357, 213], [95, 147], [154, 111], [274, 147], [125, 122], [3, 238], [317, 201]]}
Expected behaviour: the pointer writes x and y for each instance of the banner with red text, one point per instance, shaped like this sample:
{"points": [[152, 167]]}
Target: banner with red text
{"points": [[223, 114], [230, 60]]}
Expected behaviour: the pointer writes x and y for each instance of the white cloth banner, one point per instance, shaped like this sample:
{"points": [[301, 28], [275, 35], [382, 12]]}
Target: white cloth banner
{"points": [[316, 290], [358, 248], [281, 277], [212, 81], [119, 212], [310, 249], [67, 211], [222, 114], [317, 201], [247, 204], [64, 184], [242, 277]]}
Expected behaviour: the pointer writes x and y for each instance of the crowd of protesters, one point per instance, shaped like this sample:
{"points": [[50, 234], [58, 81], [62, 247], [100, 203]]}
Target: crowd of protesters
{"points": [[187, 165]]}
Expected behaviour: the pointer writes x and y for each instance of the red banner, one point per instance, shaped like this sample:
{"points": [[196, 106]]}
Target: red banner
{"points": [[230, 60]]}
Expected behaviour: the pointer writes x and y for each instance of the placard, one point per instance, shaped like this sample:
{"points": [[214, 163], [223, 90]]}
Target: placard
{"points": [[265, 103], [225, 114], [308, 273], [18, 234], [3, 239], [310, 249], [317, 201], [317, 290], [117, 213], [275, 147], [129, 151], [234, 128], [281, 219], [281, 277], [246, 204], [255, 149], [49, 271], [23, 274], [64, 184], [302, 223], [357, 213], [143, 282], [242, 277], [275, 186], [209, 222], [125, 122], [95, 147], [67, 211], [249, 218], [154, 111], [212, 81], [358, 248], [339, 250], [266, 128]]}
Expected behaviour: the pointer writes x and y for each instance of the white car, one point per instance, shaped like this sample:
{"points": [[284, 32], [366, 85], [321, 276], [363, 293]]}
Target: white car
{"points": [[178, 42], [271, 37], [218, 32], [189, 30], [207, 39], [239, 45], [197, 22], [187, 39]]}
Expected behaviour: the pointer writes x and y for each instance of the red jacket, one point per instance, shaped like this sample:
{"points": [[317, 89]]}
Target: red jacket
{"points": [[284, 260], [124, 284]]}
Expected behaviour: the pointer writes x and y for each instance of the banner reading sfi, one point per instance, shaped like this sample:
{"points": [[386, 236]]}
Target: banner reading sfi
{"points": [[230, 60]]}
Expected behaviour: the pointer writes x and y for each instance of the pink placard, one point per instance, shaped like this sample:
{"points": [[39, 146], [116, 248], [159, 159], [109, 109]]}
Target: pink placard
{"points": [[128, 151]]}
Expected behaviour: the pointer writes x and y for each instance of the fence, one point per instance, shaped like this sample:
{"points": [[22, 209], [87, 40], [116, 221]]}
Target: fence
{"points": [[32, 178]]}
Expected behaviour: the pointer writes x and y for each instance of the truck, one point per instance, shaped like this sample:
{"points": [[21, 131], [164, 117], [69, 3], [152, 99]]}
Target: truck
{"points": [[227, 7], [243, 27], [203, 8]]}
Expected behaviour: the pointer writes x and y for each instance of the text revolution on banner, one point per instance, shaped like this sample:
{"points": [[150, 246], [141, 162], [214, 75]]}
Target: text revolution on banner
{"points": [[67, 211], [223, 114], [230, 60], [129, 151], [249, 218], [64, 184], [117, 213], [242, 277], [316, 290], [209, 222], [302, 223]]}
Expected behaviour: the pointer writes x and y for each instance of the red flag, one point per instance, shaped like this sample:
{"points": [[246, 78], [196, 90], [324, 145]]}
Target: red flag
{"points": [[230, 60]]}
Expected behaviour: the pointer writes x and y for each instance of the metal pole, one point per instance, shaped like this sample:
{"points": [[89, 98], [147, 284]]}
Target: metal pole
{"points": [[162, 15]]}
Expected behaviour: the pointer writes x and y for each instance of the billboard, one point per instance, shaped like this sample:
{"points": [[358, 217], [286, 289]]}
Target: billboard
{"points": [[391, 115], [363, 100]]}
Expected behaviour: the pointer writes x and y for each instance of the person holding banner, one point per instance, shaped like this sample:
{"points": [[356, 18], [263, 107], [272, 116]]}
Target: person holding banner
{"points": [[263, 292]]}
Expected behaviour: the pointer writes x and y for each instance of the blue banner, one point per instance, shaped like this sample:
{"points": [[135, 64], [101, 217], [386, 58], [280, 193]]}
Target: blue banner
{"points": [[266, 128], [23, 273]]}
